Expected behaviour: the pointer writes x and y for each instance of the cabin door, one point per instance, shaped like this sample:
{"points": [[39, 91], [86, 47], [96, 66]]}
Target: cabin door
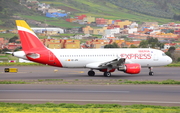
{"points": [[155, 56]]}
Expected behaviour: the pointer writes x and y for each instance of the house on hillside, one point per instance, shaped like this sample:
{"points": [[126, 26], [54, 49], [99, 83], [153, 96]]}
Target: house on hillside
{"points": [[54, 45], [168, 45], [72, 45], [61, 43], [88, 30], [80, 19], [95, 43], [109, 32], [99, 31], [89, 19], [12, 46], [32, 1], [123, 24], [101, 22], [43, 7]]}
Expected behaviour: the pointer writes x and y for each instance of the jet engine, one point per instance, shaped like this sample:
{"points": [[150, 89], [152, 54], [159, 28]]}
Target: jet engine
{"points": [[130, 68]]}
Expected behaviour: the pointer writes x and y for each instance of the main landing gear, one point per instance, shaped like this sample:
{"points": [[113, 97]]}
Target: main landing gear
{"points": [[107, 74], [92, 73], [151, 73]]}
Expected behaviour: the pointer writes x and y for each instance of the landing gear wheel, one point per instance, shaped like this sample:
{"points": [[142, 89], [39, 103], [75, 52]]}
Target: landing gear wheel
{"points": [[91, 73], [151, 73], [107, 74]]}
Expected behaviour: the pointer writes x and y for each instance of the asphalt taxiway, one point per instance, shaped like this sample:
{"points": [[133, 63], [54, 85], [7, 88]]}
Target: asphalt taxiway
{"points": [[48, 72], [82, 94]]}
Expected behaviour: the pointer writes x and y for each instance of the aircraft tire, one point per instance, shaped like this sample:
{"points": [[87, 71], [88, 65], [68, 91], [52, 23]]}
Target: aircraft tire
{"points": [[151, 73], [107, 74], [91, 73]]}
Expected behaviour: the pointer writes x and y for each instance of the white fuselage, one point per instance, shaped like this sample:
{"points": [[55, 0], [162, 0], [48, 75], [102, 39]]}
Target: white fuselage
{"points": [[78, 58]]}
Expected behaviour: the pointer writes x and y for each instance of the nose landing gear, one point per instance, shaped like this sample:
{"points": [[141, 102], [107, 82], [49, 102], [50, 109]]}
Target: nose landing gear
{"points": [[151, 73]]}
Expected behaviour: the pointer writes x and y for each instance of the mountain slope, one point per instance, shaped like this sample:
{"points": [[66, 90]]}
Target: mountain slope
{"points": [[9, 8], [161, 11], [156, 8]]}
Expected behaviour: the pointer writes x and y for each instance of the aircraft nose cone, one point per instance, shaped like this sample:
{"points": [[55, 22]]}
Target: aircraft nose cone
{"points": [[169, 60]]}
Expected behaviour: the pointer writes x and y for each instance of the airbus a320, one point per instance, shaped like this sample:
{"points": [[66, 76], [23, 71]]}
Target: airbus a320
{"points": [[105, 60]]}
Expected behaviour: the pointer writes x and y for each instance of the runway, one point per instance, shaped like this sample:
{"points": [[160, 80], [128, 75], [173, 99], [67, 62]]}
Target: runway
{"points": [[167, 95], [47, 72], [121, 94]]}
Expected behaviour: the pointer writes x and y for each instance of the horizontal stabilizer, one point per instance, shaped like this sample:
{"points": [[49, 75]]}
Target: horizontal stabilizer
{"points": [[9, 53]]}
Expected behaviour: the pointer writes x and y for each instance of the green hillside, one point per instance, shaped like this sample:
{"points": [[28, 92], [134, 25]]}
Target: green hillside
{"points": [[157, 8], [162, 11], [10, 8]]}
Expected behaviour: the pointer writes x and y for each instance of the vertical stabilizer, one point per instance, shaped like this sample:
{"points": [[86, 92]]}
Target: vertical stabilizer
{"points": [[28, 38]]}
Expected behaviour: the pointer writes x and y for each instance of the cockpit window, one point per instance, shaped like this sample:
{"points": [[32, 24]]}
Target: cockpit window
{"points": [[163, 54]]}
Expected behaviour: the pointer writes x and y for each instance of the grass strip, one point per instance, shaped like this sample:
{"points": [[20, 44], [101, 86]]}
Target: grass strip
{"points": [[13, 82], [19, 64], [168, 81], [88, 108], [173, 65], [92, 82], [42, 80]]}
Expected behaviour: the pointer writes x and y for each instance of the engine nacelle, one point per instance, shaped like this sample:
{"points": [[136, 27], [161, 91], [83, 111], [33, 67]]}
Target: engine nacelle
{"points": [[131, 68]]}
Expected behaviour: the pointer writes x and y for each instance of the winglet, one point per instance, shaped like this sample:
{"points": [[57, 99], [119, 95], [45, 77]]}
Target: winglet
{"points": [[29, 39]]}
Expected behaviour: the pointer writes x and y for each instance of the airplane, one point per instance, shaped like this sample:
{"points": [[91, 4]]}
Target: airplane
{"points": [[105, 60]]}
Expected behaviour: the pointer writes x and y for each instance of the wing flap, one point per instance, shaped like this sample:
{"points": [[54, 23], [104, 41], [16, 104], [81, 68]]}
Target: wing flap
{"points": [[109, 64]]}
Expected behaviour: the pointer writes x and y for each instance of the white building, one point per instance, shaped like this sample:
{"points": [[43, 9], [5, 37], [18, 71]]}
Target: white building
{"points": [[133, 25], [42, 30], [112, 31], [132, 30]]}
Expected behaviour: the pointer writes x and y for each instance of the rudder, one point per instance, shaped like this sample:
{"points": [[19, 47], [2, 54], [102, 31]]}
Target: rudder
{"points": [[29, 39]]}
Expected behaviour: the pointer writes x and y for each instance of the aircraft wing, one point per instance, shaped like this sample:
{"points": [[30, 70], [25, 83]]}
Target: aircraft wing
{"points": [[113, 64], [108, 64]]}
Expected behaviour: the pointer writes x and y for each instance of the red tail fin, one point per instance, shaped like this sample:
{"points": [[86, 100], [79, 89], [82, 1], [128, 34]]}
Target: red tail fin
{"points": [[28, 38], [33, 47]]}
